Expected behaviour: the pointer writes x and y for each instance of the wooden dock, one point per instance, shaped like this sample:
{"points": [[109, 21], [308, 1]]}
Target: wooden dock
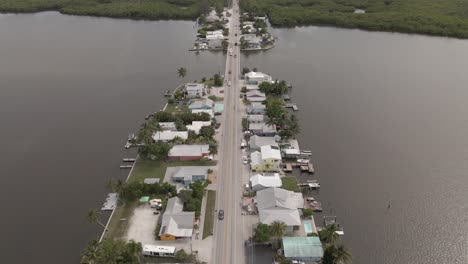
{"points": [[293, 106]]}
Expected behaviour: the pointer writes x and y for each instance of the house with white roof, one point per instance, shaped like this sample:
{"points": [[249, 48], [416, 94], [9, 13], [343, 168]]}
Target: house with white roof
{"points": [[267, 180], [197, 125], [276, 204], [171, 126], [262, 129], [175, 222], [202, 104], [188, 152], [251, 87], [195, 90], [268, 159], [256, 118], [255, 96], [256, 108], [257, 77], [167, 135], [256, 142]]}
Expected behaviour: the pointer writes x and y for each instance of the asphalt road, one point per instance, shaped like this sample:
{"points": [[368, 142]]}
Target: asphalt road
{"points": [[228, 241]]}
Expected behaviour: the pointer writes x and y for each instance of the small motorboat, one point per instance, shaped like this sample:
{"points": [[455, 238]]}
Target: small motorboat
{"points": [[303, 161]]}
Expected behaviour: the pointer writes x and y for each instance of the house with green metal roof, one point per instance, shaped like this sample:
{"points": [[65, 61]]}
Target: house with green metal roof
{"points": [[307, 249]]}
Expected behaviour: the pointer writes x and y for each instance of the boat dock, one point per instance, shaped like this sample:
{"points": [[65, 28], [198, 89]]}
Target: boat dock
{"points": [[110, 203], [126, 166], [293, 106], [128, 160], [314, 185], [168, 93]]}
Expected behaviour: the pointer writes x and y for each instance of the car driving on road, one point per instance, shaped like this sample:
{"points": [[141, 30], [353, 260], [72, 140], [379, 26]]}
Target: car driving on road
{"points": [[221, 214]]}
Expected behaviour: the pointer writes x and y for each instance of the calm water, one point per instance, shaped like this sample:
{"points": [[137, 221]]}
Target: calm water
{"points": [[386, 117], [385, 114], [71, 89]]}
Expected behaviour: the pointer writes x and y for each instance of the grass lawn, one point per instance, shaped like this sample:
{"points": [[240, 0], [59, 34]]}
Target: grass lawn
{"points": [[156, 169], [120, 220], [209, 213], [290, 183]]}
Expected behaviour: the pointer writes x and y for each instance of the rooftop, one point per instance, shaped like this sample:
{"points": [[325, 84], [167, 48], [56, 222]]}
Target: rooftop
{"points": [[302, 247], [266, 180], [166, 135], [194, 86], [188, 150], [176, 222], [270, 152]]}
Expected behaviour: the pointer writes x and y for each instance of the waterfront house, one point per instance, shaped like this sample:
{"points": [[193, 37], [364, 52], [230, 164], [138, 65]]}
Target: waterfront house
{"points": [[215, 41], [256, 108], [194, 90], [256, 142], [253, 41], [307, 249], [189, 174], [167, 135], [175, 222], [276, 204], [171, 126], [255, 96], [267, 159], [267, 180], [251, 87], [290, 149], [257, 77], [197, 125], [188, 152], [202, 104], [262, 129], [256, 118]]}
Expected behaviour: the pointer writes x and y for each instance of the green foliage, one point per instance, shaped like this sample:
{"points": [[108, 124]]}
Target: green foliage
{"points": [[328, 235], [134, 190], [336, 254], [277, 88], [154, 151], [207, 132], [245, 123], [307, 212], [433, 17], [262, 233], [275, 110], [181, 255], [218, 81], [192, 198], [245, 70], [110, 251]]}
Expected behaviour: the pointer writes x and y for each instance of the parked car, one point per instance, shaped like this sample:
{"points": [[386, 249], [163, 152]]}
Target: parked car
{"points": [[221, 214]]}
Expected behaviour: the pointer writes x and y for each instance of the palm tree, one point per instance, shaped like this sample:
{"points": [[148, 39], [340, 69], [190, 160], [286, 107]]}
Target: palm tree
{"points": [[115, 185], [134, 249], [278, 229], [328, 236], [336, 254], [182, 72], [91, 252], [94, 217]]}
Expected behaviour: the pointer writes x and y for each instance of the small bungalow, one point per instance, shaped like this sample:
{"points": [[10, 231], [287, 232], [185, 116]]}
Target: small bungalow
{"points": [[255, 96], [197, 125], [257, 77], [256, 108], [267, 180], [251, 87], [307, 249], [167, 135], [171, 126], [262, 129], [188, 152], [202, 104], [256, 118], [175, 223], [194, 90], [189, 174], [256, 142]]}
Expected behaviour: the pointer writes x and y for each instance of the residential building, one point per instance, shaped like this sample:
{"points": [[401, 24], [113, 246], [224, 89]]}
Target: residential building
{"points": [[267, 159], [256, 118], [197, 125], [175, 223], [256, 142], [256, 108], [257, 77], [189, 174], [194, 90], [255, 96], [167, 135], [215, 41], [188, 152], [252, 40], [267, 180], [276, 204], [262, 129], [307, 249], [291, 149], [202, 104], [171, 126]]}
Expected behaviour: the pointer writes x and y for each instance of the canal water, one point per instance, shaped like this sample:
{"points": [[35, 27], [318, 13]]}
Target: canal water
{"points": [[384, 114], [386, 118], [71, 90]]}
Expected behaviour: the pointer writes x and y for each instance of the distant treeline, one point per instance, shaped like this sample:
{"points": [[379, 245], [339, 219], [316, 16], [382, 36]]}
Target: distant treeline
{"points": [[432, 17], [132, 9]]}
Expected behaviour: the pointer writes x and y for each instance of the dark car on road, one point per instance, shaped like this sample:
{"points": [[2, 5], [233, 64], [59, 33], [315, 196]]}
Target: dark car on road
{"points": [[221, 214]]}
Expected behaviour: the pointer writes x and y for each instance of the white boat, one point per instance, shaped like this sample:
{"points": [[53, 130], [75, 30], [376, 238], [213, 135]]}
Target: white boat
{"points": [[303, 161]]}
